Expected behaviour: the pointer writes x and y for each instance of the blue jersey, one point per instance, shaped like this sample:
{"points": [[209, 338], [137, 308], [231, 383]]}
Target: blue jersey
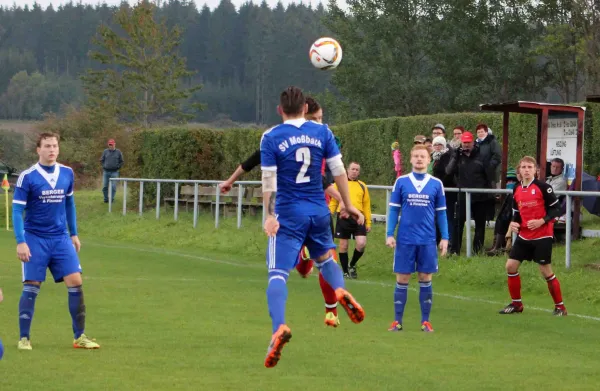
{"points": [[295, 150], [419, 196], [44, 196]]}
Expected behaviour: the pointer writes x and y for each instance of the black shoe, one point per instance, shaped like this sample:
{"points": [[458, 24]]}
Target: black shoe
{"points": [[346, 276], [353, 274], [559, 312], [512, 309], [106, 201]]}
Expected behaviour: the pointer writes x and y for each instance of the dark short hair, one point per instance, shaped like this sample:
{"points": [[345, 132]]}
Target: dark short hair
{"points": [[558, 160], [292, 100], [313, 105], [46, 135]]}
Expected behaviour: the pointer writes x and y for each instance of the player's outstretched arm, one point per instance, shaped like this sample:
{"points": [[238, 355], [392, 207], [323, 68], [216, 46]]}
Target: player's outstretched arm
{"points": [[244, 167], [226, 186]]}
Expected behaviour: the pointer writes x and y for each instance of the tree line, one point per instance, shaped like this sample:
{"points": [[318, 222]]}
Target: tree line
{"points": [[403, 57]]}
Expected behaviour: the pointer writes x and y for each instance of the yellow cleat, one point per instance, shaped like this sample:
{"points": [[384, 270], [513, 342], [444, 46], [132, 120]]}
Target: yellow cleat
{"points": [[332, 319], [83, 342], [24, 344]]}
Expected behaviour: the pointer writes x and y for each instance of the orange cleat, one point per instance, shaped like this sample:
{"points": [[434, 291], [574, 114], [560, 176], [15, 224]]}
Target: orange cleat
{"points": [[354, 310], [278, 341]]}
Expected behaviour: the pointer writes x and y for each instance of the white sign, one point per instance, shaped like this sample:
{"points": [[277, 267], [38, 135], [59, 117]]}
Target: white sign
{"points": [[562, 143]]}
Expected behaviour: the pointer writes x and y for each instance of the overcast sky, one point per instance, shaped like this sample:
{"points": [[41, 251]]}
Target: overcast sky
{"points": [[199, 3]]}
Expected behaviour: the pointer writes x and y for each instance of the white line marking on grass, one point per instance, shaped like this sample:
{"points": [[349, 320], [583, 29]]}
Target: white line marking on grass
{"points": [[366, 282]]}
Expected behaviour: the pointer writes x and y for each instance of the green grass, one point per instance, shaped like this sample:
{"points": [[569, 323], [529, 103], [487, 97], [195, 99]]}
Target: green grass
{"points": [[181, 308]]}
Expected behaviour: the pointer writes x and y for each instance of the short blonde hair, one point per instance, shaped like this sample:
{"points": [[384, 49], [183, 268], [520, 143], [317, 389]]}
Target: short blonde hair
{"points": [[419, 147], [528, 159]]}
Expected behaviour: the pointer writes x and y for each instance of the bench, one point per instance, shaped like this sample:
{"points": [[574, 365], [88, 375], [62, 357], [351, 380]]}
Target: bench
{"points": [[253, 200], [186, 195]]}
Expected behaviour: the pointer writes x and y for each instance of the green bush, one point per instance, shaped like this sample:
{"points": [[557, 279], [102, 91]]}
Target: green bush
{"points": [[197, 153]]}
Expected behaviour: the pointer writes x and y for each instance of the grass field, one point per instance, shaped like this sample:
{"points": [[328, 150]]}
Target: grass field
{"points": [[177, 308]]}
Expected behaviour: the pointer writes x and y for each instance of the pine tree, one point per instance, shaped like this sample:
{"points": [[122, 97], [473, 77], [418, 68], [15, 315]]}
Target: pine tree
{"points": [[142, 73]]}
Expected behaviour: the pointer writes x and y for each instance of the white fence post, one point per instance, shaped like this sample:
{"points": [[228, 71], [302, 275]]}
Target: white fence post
{"points": [[468, 224], [157, 200]]}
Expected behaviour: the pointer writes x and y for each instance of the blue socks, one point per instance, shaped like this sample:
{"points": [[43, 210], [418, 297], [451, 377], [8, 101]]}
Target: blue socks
{"points": [[400, 296], [77, 310], [277, 296], [425, 298], [26, 308], [331, 273]]}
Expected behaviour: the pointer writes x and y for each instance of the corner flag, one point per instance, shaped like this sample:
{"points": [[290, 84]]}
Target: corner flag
{"points": [[5, 187]]}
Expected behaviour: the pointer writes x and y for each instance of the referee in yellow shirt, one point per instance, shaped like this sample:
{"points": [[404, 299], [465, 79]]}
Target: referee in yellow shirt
{"points": [[346, 229]]}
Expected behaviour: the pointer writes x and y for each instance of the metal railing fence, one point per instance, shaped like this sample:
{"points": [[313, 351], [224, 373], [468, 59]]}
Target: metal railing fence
{"points": [[388, 189]]}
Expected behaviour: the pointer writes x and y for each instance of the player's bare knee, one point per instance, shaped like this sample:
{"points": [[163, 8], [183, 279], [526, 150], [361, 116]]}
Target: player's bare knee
{"points": [[343, 245], [402, 278], [361, 243], [425, 277], [323, 257], [73, 280], [36, 283], [546, 270], [512, 266]]}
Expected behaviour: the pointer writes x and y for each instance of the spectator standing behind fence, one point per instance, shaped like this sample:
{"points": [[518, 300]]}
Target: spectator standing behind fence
{"points": [[112, 161], [348, 228], [469, 172], [489, 152], [397, 156], [441, 158]]}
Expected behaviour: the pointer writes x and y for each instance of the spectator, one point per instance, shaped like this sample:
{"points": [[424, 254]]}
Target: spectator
{"points": [[556, 178], [489, 152], [440, 130], [469, 172], [441, 158], [112, 161], [397, 156], [504, 216], [419, 139], [427, 143], [457, 132]]}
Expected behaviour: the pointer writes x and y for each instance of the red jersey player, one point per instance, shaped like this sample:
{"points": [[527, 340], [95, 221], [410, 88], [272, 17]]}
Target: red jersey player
{"points": [[535, 208]]}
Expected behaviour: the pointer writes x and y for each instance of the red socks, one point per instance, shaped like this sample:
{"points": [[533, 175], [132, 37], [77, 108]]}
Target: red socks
{"points": [[554, 288], [514, 288], [328, 295]]}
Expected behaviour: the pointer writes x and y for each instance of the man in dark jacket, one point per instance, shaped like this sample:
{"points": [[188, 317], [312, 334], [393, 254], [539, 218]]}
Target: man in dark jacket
{"points": [[469, 172], [112, 161], [439, 161]]}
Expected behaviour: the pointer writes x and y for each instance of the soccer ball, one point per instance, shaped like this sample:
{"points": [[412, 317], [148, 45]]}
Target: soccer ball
{"points": [[325, 53]]}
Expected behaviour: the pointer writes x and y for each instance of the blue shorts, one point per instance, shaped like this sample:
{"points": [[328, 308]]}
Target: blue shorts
{"points": [[410, 258], [56, 253], [295, 231]]}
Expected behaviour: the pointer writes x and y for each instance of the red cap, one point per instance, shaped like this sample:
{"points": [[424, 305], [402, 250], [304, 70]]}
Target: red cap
{"points": [[467, 137], [111, 142]]}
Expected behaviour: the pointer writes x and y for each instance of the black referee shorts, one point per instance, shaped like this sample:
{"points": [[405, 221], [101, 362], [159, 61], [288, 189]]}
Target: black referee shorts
{"points": [[538, 251], [349, 229]]}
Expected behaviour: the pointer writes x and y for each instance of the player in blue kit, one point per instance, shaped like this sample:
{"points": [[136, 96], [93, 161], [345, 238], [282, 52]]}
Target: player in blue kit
{"points": [[422, 200], [45, 193], [291, 157]]}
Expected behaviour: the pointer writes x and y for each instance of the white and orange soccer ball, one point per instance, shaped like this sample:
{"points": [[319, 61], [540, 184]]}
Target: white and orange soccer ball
{"points": [[325, 53]]}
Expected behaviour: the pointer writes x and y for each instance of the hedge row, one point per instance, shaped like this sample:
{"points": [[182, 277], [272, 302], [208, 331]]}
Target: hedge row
{"points": [[188, 153]]}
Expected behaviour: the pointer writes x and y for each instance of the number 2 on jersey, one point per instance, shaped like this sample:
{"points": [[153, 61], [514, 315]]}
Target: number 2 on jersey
{"points": [[303, 155]]}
